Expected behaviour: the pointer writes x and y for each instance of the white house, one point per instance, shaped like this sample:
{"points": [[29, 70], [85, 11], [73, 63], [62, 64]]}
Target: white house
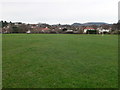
{"points": [[69, 31], [88, 29], [101, 30], [28, 32]]}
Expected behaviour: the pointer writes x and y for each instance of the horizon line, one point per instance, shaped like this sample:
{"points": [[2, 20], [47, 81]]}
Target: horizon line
{"points": [[59, 22]]}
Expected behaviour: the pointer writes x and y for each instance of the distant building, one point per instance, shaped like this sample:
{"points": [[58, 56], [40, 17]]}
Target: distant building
{"points": [[40, 30], [18, 23], [89, 30], [69, 31], [28, 32], [103, 31]]}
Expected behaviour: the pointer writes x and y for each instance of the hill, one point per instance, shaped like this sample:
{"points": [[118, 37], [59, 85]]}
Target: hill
{"points": [[89, 24]]}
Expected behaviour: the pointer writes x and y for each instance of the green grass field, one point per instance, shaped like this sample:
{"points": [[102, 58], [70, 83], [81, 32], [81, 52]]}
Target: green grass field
{"points": [[60, 61]]}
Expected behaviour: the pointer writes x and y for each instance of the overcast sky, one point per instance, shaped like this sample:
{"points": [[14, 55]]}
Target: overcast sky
{"points": [[59, 11]]}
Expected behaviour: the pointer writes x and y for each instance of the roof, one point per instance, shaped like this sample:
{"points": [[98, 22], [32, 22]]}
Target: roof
{"points": [[40, 29], [45, 28]]}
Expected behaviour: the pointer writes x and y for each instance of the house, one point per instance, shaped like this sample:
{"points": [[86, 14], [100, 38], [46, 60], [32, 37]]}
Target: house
{"points": [[17, 23], [40, 30], [89, 30], [69, 31], [103, 31], [28, 32], [45, 30], [33, 25]]}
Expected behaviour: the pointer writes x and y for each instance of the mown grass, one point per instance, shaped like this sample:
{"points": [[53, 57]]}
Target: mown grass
{"points": [[60, 61]]}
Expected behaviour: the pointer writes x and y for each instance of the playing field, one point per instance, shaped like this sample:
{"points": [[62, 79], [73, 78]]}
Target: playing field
{"points": [[60, 61]]}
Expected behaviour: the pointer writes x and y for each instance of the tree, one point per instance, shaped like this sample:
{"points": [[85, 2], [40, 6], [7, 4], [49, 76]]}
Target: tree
{"points": [[94, 26], [15, 29], [64, 29], [105, 26], [3, 24]]}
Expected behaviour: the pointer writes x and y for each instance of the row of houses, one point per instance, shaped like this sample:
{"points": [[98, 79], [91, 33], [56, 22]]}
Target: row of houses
{"points": [[87, 30], [100, 30], [45, 28], [35, 28]]}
